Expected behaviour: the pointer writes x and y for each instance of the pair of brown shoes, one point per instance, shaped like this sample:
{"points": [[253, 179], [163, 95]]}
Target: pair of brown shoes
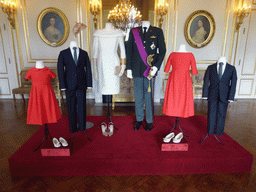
{"points": [[107, 130]]}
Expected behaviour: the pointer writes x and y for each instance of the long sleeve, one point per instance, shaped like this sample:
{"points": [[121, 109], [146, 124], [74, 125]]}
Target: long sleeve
{"points": [[122, 49], [233, 85], [206, 83], [161, 48], [60, 67], [168, 64], [95, 47], [129, 51], [193, 65], [88, 71]]}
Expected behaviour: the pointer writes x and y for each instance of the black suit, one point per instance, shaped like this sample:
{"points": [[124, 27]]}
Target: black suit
{"points": [[219, 92], [75, 79]]}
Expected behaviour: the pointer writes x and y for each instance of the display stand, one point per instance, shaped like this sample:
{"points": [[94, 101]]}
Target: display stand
{"points": [[215, 138], [46, 133], [178, 124], [108, 117], [182, 146], [84, 134]]}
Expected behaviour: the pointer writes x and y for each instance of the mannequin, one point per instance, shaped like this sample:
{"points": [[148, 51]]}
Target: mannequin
{"points": [[140, 47], [105, 69], [75, 77], [219, 89], [43, 107], [182, 48], [39, 64], [106, 60], [180, 102]]}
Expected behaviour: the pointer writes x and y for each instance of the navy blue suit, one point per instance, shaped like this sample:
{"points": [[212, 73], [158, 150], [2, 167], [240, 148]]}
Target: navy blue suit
{"points": [[218, 91], [75, 79]]}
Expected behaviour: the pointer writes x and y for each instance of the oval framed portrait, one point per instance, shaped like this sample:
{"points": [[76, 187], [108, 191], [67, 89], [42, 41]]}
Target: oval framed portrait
{"points": [[53, 26], [199, 29]]}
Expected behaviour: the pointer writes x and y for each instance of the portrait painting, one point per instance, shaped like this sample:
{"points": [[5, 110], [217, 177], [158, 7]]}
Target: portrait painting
{"points": [[199, 29], [53, 26]]}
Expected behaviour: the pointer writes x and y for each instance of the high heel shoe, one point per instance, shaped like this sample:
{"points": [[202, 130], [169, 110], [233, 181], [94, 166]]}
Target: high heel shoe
{"points": [[104, 129], [178, 138], [63, 142], [168, 137], [56, 143], [111, 129]]}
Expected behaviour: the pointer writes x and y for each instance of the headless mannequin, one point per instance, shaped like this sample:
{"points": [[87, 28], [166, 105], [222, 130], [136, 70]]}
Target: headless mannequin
{"points": [[182, 48], [222, 59], [39, 64], [109, 28], [154, 68]]}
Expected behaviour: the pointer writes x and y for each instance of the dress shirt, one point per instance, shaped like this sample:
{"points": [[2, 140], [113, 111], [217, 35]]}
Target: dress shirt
{"points": [[72, 51], [223, 67]]}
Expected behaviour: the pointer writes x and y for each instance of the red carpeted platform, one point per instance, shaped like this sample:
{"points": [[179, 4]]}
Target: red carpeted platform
{"points": [[130, 152]]}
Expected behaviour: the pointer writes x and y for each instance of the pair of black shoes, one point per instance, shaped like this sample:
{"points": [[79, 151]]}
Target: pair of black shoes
{"points": [[139, 123]]}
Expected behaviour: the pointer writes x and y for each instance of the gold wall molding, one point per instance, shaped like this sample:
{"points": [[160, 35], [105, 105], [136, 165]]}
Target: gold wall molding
{"points": [[9, 87], [252, 82], [5, 61], [247, 37]]}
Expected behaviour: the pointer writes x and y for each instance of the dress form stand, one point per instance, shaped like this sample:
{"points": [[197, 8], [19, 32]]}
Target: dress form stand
{"points": [[108, 117], [181, 49], [74, 44], [223, 60], [40, 65]]}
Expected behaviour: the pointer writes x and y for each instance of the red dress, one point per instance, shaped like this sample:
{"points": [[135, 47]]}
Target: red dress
{"points": [[178, 100], [42, 106]]}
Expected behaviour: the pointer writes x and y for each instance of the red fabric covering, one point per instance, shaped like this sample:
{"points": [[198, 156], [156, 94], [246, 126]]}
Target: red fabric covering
{"points": [[43, 106], [130, 152], [178, 99]]}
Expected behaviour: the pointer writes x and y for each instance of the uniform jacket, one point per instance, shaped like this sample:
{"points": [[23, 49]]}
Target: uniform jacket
{"points": [[154, 39], [73, 76], [223, 89]]}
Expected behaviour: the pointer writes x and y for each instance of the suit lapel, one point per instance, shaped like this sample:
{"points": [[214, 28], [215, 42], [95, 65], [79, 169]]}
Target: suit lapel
{"points": [[215, 71]]}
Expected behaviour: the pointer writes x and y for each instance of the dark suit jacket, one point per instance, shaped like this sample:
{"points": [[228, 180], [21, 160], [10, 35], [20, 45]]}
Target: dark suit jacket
{"points": [[73, 76], [134, 62], [223, 89]]}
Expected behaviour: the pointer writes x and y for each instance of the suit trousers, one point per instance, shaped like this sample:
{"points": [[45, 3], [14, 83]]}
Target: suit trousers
{"points": [[76, 102], [141, 94], [217, 111]]}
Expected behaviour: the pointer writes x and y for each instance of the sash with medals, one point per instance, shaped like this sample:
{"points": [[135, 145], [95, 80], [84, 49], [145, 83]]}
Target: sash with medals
{"points": [[143, 54]]}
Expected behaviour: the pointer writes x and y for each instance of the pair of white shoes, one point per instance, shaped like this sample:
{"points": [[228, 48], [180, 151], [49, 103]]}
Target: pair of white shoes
{"points": [[176, 139], [57, 143], [107, 130]]}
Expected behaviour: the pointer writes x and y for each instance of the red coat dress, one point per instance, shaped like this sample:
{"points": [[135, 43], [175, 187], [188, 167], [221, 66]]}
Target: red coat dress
{"points": [[42, 106], [178, 100]]}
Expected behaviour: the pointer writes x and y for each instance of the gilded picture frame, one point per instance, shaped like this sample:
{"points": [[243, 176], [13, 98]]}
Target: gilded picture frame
{"points": [[199, 29], [53, 26]]}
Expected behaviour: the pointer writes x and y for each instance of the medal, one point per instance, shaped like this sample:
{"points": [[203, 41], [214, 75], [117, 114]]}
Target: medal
{"points": [[152, 46]]}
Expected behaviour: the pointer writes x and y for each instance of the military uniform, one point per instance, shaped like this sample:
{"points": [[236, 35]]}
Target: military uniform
{"points": [[153, 42]]}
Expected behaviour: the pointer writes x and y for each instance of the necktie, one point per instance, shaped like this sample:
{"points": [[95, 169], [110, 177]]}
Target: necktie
{"points": [[220, 70], [75, 55], [144, 31]]}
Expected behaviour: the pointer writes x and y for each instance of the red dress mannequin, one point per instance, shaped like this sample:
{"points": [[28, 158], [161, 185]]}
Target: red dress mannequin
{"points": [[178, 100], [43, 106]]}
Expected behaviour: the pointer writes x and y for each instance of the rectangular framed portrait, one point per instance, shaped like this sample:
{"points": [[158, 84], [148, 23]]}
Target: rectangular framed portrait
{"points": [[53, 26], [199, 29]]}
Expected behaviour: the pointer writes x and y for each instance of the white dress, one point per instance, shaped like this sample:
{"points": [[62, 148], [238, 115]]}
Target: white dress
{"points": [[105, 47]]}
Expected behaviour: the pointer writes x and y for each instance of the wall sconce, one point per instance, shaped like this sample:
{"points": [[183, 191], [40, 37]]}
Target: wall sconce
{"points": [[242, 12], [9, 7], [161, 10], [95, 10]]}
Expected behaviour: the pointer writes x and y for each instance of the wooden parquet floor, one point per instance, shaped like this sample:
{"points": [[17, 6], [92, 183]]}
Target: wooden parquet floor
{"points": [[14, 132]]}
